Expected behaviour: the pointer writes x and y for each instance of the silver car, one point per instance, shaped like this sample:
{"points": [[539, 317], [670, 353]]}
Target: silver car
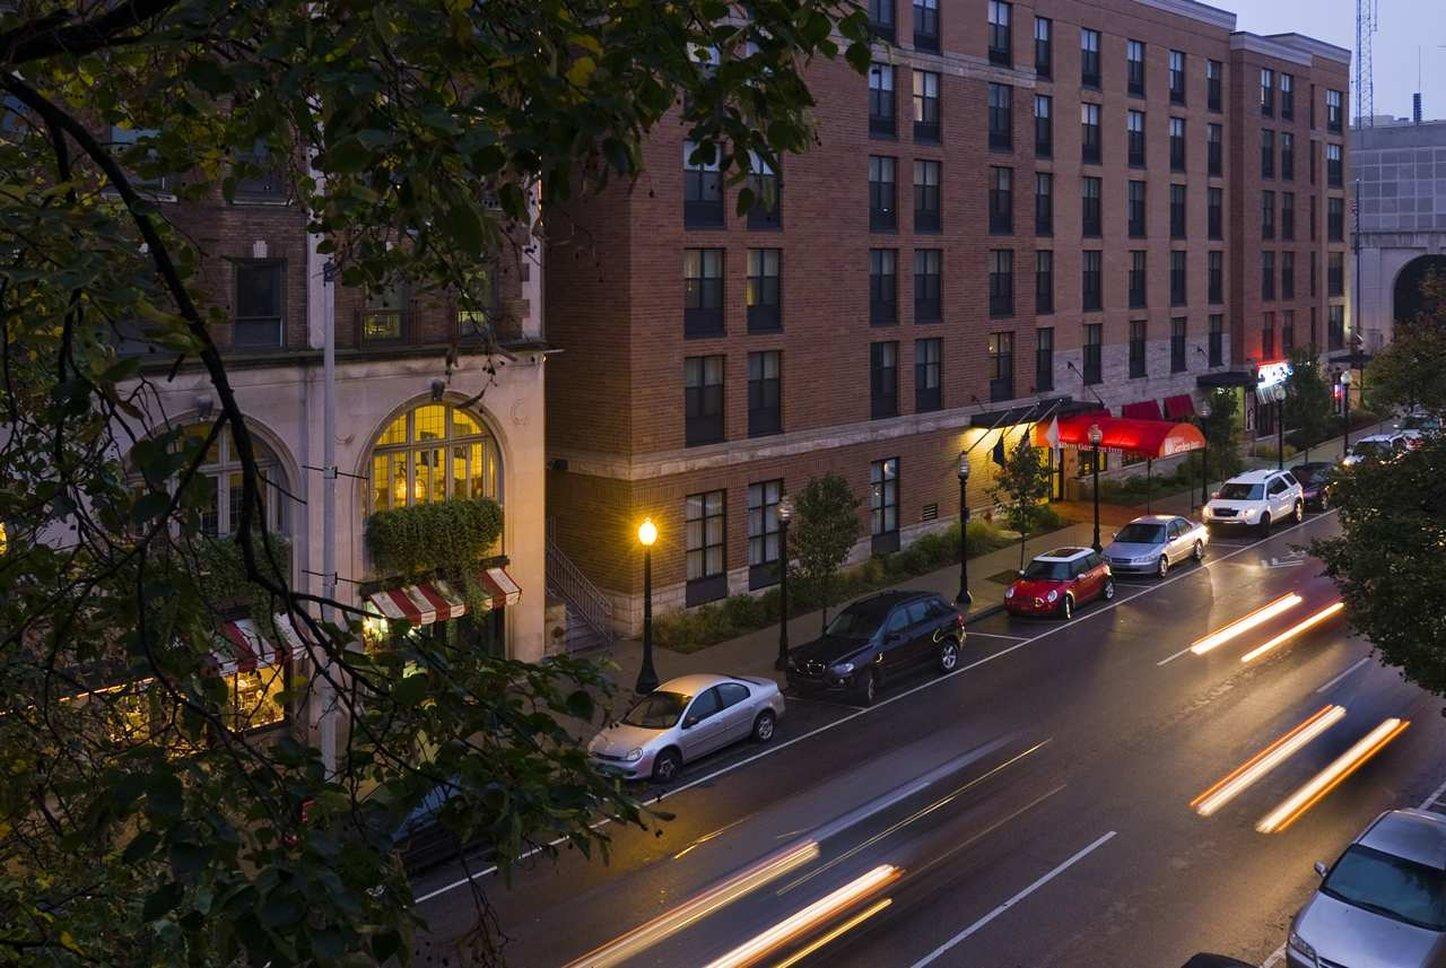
{"points": [[1383, 903], [686, 718], [1151, 544]]}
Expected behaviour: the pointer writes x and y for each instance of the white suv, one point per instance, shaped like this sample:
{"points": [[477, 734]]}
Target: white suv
{"points": [[1256, 499]]}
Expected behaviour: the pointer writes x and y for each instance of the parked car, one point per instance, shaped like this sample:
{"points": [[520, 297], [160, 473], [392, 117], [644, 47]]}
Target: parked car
{"points": [[1059, 582], [1315, 479], [686, 718], [1255, 499], [1376, 447], [1421, 422], [1207, 960], [1382, 904], [1149, 545], [876, 638]]}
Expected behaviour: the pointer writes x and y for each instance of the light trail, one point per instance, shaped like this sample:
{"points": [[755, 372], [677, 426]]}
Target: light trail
{"points": [[1242, 625], [1294, 806], [1293, 631], [1246, 774], [842, 929]]}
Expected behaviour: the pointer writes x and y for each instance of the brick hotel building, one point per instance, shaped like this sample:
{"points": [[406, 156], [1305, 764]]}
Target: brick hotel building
{"points": [[1116, 201]]}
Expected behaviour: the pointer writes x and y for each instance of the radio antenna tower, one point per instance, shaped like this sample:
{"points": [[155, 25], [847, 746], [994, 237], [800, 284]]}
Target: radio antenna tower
{"points": [[1365, 80]]}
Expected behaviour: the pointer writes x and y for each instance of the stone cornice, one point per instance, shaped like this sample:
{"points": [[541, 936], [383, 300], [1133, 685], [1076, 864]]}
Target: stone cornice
{"points": [[1265, 47], [1204, 13], [1317, 48]]}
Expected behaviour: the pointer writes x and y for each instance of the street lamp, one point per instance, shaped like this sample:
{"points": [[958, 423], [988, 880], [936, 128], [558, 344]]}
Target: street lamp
{"points": [[1096, 435], [647, 677], [1346, 400], [963, 599], [1280, 426], [1204, 456], [785, 514]]}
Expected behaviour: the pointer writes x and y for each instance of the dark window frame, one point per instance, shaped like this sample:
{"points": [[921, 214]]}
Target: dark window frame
{"points": [[242, 325], [704, 393], [763, 293], [703, 293], [1138, 346], [883, 287], [1091, 281], [1001, 366], [928, 374], [1179, 331], [883, 379], [928, 285], [765, 393], [710, 583]]}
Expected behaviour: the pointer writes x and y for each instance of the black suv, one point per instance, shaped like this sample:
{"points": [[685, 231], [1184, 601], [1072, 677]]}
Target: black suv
{"points": [[875, 638]]}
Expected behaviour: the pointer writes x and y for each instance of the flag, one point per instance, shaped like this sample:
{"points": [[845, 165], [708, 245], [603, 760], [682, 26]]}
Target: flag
{"points": [[998, 453], [1051, 432]]}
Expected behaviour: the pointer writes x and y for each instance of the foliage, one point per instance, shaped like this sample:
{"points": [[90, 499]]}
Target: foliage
{"points": [[1309, 403], [1409, 371], [1137, 487], [437, 536], [1222, 434], [411, 138], [1387, 561], [1021, 487], [221, 575], [828, 526]]}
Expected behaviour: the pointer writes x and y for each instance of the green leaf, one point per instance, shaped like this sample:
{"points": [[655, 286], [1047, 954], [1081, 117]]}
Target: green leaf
{"points": [[581, 71]]}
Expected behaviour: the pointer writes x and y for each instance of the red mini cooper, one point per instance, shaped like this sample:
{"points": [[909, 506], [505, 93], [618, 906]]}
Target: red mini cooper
{"points": [[1058, 582]]}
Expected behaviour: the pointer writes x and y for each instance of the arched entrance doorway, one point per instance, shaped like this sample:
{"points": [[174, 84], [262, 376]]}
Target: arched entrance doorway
{"points": [[1407, 300]]}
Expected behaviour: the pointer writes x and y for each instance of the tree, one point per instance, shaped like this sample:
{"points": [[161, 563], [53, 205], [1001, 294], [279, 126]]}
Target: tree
{"points": [[1409, 372], [1309, 403], [1387, 561], [828, 526], [416, 139], [1221, 429], [1020, 488]]}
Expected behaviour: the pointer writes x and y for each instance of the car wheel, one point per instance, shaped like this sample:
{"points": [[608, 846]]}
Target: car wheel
{"points": [[1299, 511], [667, 765], [868, 688], [763, 726], [948, 656], [1265, 523], [1162, 567], [1198, 553], [1066, 607], [1109, 590]]}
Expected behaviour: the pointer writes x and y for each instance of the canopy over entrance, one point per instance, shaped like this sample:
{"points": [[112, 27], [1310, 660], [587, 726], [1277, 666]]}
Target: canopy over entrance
{"points": [[1152, 439]]}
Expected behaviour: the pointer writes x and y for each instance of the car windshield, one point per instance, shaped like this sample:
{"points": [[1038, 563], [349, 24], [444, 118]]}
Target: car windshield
{"points": [[1310, 473], [1047, 570], [1370, 448], [658, 710], [1138, 532], [1390, 886], [1418, 422], [859, 620], [1237, 491]]}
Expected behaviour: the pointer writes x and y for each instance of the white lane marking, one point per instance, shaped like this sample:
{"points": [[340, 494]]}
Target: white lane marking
{"points": [[1172, 658], [1275, 958], [1354, 666], [993, 635], [977, 925], [1436, 794], [1119, 600]]}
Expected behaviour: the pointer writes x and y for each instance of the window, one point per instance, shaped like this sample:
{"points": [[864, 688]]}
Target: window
{"points": [[1267, 215], [1287, 275], [1314, 335], [881, 19], [926, 25], [1333, 166], [384, 314], [259, 289], [928, 384], [1177, 77], [1001, 366], [883, 120], [1287, 96], [1335, 219], [1213, 74], [1135, 67], [1135, 209], [1092, 281], [1089, 57], [764, 292], [1044, 359], [1001, 50], [765, 393], [1333, 111], [1267, 275], [1312, 107], [883, 287], [1314, 217], [1177, 144], [1336, 274], [1090, 206], [1267, 335], [128, 144], [1217, 340], [1267, 91], [926, 196], [1214, 149], [1043, 126], [1287, 156], [1001, 201], [1138, 279], [884, 505], [1094, 339], [1001, 282], [1214, 214], [1137, 348], [883, 193], [1089, 121], [1043, 49], [1177, 345], [703, 400], [435, 452], [259, 177], [705, 533], [765, 549], [1314, 272], [926, 107], [1267, 154], [1287, 333], [1135, 138], [927, 272], [1312, 154], [766, 212], [703, 292], [883, 380], [1215, 275], [1001, 117], [220, 484], [1178, 288], [1177, 211], [1043, 203], [1044, 282], [702, 187], [1336, 327]]}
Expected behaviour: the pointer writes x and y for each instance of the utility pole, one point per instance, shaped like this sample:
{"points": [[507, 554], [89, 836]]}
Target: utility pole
{"points": [[326, 728]]}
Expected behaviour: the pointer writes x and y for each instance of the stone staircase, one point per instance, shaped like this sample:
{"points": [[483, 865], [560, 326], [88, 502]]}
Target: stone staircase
{"points": [[589, 611]]}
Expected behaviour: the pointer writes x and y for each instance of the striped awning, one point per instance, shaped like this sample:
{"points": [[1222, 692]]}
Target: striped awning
{"points": [[420, 604], [501, 587], [240, 646]]}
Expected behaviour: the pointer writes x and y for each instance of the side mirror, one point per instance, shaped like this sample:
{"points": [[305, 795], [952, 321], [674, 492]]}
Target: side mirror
{"points": [[1214, 494], [1320, 868], [690, 722], [1020, 573]]}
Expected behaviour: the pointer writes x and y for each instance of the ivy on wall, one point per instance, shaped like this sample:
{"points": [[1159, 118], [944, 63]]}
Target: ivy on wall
{"points": [[445, 536], [221, 575]]}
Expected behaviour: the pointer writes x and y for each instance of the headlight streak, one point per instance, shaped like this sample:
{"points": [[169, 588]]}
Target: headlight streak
{"points": [[1294, 806], [809, 917], [1242, 625], [1247, 773], [844, 928], [1293, 631]]}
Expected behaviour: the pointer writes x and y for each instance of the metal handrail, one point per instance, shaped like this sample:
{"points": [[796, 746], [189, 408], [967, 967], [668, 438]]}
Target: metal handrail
{"points": [[567, 580]]}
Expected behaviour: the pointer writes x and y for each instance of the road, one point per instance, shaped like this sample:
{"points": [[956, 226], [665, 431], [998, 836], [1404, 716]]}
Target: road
{"points": [[1033, 808]]}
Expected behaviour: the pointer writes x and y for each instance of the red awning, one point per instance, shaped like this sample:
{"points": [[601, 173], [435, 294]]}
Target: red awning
{"points": [[1180, 407], [240, 646], [420, 604], [1144, 410], [1149, 438], [503, 589]]}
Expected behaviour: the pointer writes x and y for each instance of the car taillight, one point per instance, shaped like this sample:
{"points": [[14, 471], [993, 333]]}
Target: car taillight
{"points": [[959, 620]]}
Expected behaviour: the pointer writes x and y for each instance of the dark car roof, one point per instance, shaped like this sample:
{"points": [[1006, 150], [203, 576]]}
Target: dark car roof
{"points": [[888, 599], [1206, 960]]}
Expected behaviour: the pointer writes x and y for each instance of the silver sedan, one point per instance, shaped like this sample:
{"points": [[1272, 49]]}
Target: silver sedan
{"points": [[1151, 544], [684, 719]]}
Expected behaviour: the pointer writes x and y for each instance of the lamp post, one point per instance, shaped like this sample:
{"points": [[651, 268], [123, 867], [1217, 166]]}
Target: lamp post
{"points": [[1096, 435], [1204, 456], [1280, 426], [647, 677], [785, 514], [963, 599], [1346, 401]]}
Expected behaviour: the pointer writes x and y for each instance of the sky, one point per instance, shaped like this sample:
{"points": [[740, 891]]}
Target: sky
{"points": [[1404, 29]]}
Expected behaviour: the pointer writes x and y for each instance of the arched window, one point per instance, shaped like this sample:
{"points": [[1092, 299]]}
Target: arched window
{"points": [[221, 474], [434, 452]]}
